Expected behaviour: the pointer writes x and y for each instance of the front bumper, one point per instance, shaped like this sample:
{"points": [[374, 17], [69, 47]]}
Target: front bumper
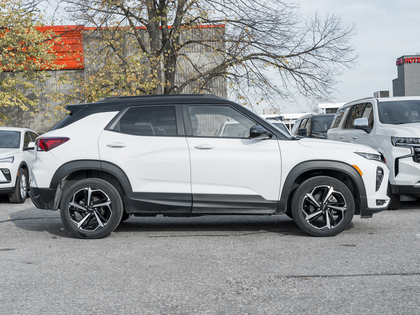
{"points": [[406, 190], [366, 212], [7, 190], [42, 198]]}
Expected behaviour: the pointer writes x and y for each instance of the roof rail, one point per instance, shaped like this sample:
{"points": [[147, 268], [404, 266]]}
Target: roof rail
{"points": [[120, 98]]}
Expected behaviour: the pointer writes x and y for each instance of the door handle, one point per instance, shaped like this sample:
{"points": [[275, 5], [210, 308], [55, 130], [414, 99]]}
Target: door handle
{"points": [[354, 137], [341, 137], [204, 147], [115, 145]]}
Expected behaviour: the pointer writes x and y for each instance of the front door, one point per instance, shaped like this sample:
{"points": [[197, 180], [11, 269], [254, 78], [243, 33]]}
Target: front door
{"points": [[230, 172]]}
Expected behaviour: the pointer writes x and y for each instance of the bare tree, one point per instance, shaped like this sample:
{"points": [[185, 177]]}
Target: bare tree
{"points": [[262, 48]]}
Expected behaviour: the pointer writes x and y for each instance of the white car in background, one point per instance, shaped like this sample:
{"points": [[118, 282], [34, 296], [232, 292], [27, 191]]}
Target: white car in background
{"points": [[391, 126], [16, 157]]}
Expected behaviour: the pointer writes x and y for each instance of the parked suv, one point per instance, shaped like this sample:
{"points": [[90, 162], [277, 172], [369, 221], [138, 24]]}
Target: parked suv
{"points": [[313, 125], [163, 155], [391, 126]]}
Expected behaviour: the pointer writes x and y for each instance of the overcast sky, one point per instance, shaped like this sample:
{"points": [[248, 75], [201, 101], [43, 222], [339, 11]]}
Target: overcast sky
{"points": [[386, 30]]}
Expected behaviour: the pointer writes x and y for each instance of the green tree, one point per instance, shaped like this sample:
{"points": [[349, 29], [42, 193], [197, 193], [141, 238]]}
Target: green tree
{"points": [[25, 54], [262, 48]]}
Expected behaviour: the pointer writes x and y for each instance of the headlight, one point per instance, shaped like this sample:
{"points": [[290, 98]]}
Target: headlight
{"points": [[7, 160], [372, 156], [404, 141]]}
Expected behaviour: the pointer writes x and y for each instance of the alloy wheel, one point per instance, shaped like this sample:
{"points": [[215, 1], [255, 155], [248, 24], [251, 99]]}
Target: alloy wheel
{"points": [[23, 187], [324, 207], [90, 209]]}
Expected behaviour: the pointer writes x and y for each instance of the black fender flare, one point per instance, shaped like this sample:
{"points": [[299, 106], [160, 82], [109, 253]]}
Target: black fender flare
{"points": [[90, 165], [323, 166]]}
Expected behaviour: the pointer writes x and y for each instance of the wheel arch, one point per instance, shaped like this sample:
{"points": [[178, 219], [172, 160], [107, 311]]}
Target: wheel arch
{"points": [[339, 170], [24, 166], [73, 171]]}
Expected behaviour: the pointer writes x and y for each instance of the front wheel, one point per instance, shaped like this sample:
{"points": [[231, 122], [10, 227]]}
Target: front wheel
{"points": [[91, 208], [21, 188], [323, 206]]}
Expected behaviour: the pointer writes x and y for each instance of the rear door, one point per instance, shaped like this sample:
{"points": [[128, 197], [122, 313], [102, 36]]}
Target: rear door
{"points": [[148, 144], [230, 172]]}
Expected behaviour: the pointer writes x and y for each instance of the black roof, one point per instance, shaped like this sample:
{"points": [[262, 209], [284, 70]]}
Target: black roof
{"points": [[79, 111], [117, 103]]}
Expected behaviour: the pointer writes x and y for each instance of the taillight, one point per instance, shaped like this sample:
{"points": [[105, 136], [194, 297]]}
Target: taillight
{"points": [[47, 144]]}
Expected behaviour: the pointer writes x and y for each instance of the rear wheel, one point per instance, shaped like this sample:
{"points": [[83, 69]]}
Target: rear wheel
{"points": [[21, 188], [323, 206], [91, 208]]}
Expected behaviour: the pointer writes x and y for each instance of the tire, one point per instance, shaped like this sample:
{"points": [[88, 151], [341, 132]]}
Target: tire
{"points": [[290, 215], [323, 206], [21, 188], [394, 201], [91, 208], [125, 216]]}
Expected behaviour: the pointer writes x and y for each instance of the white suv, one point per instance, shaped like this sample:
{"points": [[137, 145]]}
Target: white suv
{"points": [[164, 155], [16, 158], [392, 127]]}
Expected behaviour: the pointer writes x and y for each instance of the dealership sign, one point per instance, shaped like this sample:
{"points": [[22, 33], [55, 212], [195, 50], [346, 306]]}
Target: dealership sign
{"points": [[408, 60]]}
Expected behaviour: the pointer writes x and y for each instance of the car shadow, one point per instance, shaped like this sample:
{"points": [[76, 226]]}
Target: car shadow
{"points": [[218, 225], [50, 222]]}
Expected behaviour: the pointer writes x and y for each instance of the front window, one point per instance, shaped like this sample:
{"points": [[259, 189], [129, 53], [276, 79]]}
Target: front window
{"points": [[363, 110], [399, 112], [219, 121], [9, 139]]}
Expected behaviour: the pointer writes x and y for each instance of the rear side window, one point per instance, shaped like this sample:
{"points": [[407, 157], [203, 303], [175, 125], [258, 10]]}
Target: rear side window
{"points": [[148, 121]]}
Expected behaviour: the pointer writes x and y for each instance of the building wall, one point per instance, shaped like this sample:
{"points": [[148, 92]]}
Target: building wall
{"points": [[42, 118], [408, 81]]}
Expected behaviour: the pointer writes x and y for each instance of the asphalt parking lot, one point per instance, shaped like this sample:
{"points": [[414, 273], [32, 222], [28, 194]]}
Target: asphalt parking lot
{"points": [[209, 265]]}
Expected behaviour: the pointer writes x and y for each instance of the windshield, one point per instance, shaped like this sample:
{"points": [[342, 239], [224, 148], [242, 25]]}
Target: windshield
{"points": [[399, 112], [9, 139], [322, 123]]}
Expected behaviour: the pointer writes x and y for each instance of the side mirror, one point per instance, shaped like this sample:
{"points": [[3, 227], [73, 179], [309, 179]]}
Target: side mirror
{"points": [[31, 146], [302, 132], [258, 132], [361, 123]]}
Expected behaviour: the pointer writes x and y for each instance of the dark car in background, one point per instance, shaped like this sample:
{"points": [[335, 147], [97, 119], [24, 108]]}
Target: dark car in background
{"points": [[313, 126]]}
